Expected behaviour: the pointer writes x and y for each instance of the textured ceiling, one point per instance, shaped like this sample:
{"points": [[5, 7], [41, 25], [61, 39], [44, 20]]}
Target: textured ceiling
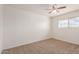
{"points": [[41, 8]]}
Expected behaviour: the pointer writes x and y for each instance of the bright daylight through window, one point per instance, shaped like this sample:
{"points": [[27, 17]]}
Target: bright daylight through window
{"points": [[74, 22]]}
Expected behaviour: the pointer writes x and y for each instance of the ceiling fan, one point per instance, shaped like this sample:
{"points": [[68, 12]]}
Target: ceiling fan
{"points": [[54, 8]]}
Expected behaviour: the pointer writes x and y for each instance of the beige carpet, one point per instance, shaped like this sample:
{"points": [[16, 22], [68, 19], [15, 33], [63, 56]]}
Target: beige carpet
{"points": [[49, 46]]}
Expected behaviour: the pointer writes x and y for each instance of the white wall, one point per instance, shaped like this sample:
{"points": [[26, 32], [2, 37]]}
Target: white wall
{"points": [[65, 34], [23, 27], [1, 27]]}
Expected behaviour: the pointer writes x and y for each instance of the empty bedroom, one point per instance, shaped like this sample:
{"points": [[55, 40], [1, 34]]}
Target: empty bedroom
{"points": [[39, 28]]}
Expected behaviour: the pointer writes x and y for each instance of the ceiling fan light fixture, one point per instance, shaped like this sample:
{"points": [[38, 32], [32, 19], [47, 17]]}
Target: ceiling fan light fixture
{"points": [[54, 11]]}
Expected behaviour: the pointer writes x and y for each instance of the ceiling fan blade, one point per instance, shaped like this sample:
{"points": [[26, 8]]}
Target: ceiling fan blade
{"points": [[57, 11], [62, 7], [49, 8], [50, 12]]}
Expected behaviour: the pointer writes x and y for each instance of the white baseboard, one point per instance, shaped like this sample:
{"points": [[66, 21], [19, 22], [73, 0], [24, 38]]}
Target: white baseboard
{"points": [[69, 41], [24, 43]]}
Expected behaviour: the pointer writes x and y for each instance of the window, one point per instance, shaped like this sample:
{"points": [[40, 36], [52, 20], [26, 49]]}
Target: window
{"points": [[63, 24], [74, 22]]}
